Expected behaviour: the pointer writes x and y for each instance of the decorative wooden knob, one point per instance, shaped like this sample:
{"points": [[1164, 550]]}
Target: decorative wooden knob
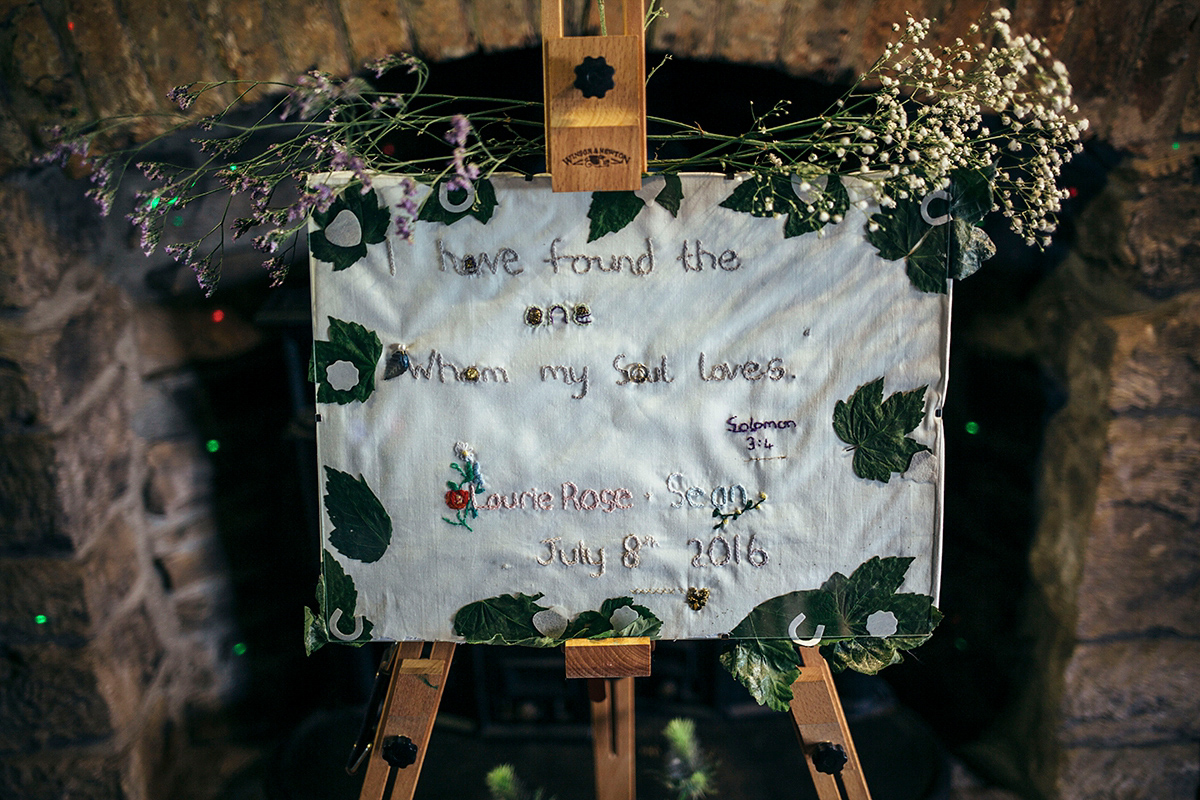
{"points": [[594, 77], [399, 751], [829, 758]]}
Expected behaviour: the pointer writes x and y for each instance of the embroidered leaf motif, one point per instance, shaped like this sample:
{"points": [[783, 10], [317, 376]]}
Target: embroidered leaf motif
{"points": [[838, 614], [350, 243], [612, 211], [348, 341], [362, 529], [335, 591], [875, 429], [671, 195], [933, 253], [482, 209], [506, 619], [767, 668], [509, 619], [773, 196]]}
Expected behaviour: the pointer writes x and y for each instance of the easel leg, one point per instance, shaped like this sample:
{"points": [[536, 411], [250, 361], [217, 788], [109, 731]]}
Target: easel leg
{"points": [[821, 727], [613, 737], [407, 721]]}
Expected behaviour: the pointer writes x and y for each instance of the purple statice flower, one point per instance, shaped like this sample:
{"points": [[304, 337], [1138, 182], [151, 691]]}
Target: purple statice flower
{"points": [[182, 96], [153, 170], [407, 208], [277, 270], [319, 197], [464, 173], [312, 94], [63, 148], [344, 161], [381, 65]]}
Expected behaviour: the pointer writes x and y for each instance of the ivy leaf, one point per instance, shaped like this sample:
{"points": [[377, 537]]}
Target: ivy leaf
{"points": [[506, 619], [840, 613], [875, 429], [766, 667], [335, 590], [971, 194], [348, 341], [362, 529], [646, 623], [612, 211], [671, 195], [774, 195], [834, 201], [971, 248], [482, 209], [366, 224]]}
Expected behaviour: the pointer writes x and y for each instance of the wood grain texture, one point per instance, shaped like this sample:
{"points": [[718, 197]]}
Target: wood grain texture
{"points": [[817, 717], [613, 737], [608, 658], [409, 710]]}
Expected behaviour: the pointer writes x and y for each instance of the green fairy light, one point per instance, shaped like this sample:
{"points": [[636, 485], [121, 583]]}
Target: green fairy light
{"points": [[1174, 145], [239, 649], [41, 619], [154, 203], [972, 427], [212, 445]]}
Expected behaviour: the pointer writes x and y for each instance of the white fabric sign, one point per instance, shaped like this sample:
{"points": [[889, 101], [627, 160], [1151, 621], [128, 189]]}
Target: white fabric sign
{"points": [[613, 394]]}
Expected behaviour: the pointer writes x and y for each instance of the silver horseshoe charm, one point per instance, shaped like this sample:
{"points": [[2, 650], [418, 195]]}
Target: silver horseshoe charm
{"points": [[794, 628], [939, 194], [336, 617], [454, 208]]}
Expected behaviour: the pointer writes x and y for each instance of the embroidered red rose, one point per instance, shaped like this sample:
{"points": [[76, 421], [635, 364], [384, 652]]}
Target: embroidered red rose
{"points": [[458, 498]]}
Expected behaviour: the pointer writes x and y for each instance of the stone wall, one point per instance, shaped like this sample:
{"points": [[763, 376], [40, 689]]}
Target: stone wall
{"points": [[105, 527], [107, 547]]}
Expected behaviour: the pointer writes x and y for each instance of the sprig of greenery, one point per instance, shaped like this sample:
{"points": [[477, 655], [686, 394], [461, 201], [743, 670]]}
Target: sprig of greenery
{"points": [[912, 119], [749, 505]]}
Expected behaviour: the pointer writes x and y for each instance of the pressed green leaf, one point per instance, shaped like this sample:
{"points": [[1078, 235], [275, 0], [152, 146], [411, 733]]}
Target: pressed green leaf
{"points": [[348, 341], [505, 619], [612, 211], [757, 196], [671, 195], [766, 667], [362, 529], [482, 209], [834, 201], [335, 590], [645, 625], [840, 610], [773, 196], [971, 247], [971, 194], [876, 430], [373, 222]]}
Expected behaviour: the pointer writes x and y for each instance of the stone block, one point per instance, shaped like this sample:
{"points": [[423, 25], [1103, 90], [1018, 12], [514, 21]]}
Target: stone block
{"points": [[129, 654], [1141, 573], [113, 567], [116, 83], [1131, 692], [1159, 772], [1164, 237], [47, 589], [246, 43], [93, 462], [1154, 366], [156, 30], [440, 28], [166, 406], [29, 524], [193, 562], [167, 338], [506, 24], [310, 36], [49, 698], [1154, 461], [178, 475], [823, 41], [62, 360], [751, 31], [35, 50], [71, 774], [203, 606], [30, 262], [375, 28], [689, 29]]}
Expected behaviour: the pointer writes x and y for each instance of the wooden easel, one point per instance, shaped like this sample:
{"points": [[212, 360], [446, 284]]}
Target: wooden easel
{"points": [[415, 676]]}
